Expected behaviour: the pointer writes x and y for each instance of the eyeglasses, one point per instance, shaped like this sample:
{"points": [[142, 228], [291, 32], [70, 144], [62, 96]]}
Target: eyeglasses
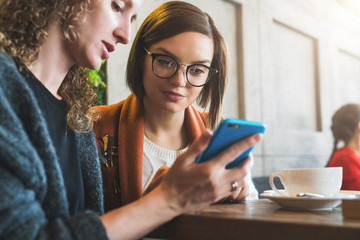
{"points": [[165, 67]]}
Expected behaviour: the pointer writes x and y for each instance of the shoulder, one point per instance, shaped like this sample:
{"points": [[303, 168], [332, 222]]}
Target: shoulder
{"points": [[8, 68], [4, 58], [12, 82], [109, 111], [195, 113], [344, 152], [113, 110], [343, 156], [7, 63], [108, 118], [13, 86]]}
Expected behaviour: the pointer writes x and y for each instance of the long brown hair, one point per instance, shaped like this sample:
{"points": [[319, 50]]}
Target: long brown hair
{"points": [[344, 123], [168, 20], [23, 28]]}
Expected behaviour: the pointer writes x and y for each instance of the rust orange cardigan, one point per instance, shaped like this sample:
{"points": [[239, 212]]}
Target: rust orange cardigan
{"points": [[125, 121]]}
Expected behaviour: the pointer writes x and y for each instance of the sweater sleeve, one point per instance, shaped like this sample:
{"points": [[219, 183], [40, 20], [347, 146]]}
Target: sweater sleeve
{"points": [[22, 216], [30, 206]]}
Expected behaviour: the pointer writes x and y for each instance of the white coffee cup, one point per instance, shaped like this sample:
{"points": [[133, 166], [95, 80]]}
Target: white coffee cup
{"points": [[324, 181]]}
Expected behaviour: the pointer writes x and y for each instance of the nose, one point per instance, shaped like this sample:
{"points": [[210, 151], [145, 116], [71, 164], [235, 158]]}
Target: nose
{"points": [[123, 31], [179, 79]]}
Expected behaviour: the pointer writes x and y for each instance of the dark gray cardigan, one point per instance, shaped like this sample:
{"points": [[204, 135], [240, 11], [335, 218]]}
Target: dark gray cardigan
{"points": [[33, 203]]}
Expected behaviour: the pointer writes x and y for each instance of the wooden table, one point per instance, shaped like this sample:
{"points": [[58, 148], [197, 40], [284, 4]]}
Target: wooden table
{"points": [[259, 219]]}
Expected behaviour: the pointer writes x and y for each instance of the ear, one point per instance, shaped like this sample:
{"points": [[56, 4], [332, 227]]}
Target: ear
{"points": [[358, 127]]}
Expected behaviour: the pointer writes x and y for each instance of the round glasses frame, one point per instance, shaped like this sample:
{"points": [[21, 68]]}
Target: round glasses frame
{"points": [[155, 55]]}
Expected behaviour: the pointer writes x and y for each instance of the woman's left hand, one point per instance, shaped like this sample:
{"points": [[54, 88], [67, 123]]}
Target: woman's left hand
{"points": [[243, 189]]}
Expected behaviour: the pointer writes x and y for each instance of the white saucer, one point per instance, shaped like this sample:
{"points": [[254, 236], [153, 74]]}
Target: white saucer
{"points": [[308, 203]]}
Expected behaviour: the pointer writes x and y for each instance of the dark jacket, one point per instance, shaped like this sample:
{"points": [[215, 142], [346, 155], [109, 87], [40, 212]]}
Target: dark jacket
{"points": [[33, 202]]}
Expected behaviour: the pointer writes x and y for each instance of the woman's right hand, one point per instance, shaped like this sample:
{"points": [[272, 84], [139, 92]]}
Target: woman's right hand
{"points": [[185, 187], [188, 186]]}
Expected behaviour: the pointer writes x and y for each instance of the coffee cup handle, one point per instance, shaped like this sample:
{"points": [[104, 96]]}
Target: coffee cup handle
{"points": [[271, 181]]}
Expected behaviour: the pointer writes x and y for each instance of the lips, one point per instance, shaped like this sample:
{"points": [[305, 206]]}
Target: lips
{"points": [[107, 48], [173, 95], [110, 48]]}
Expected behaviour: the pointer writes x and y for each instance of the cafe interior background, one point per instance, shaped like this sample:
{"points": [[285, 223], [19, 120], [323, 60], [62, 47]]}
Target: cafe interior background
{"points": [[292, 64]]}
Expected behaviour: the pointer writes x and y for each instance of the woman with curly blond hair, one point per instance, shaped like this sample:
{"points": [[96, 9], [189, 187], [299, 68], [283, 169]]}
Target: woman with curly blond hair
{"points": [[50, 179]]}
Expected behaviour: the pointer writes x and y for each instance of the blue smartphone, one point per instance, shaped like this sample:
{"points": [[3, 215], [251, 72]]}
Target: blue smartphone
{"points": [[229, 131]]}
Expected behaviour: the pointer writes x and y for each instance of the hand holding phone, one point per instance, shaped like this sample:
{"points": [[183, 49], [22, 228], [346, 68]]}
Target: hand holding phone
{"points": [[229, 131]]}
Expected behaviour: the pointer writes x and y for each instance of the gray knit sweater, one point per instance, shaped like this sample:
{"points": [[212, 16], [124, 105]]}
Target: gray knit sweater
{"points": [[33, 202]]}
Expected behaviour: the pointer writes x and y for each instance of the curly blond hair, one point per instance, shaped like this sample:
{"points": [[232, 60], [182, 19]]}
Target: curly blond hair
{"points": [[23, 28]]}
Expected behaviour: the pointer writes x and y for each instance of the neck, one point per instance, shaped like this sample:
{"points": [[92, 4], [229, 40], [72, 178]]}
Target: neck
{"points": [[165, 129], [53, 63], [354, 144]]}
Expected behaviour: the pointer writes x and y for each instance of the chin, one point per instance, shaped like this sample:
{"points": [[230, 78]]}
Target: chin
{"points": [[91, 61], [93, 65], [174, 109]]}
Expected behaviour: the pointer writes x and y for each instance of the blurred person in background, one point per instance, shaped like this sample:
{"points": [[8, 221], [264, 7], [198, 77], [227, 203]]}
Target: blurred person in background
{"points": [[346, 128]]}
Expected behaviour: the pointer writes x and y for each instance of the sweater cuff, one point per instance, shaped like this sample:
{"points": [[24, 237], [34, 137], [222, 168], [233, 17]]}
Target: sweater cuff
{"points": [[88, 226]]}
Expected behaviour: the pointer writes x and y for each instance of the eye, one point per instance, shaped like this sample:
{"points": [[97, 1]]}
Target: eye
{"points": [[118, 6], [165, 61], [198, 70]]}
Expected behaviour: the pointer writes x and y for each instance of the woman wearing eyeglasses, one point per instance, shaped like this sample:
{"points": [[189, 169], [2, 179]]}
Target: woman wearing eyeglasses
{"points": [[178, 57]]}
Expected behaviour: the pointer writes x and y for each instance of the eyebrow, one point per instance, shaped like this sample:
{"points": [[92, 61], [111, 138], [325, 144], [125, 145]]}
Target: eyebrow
{"points": [[173, 56]]}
